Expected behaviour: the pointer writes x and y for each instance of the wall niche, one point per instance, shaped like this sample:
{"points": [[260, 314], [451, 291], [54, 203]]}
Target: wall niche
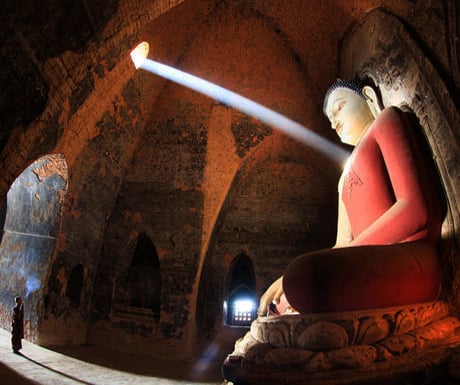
{"points": [[138, 289]]}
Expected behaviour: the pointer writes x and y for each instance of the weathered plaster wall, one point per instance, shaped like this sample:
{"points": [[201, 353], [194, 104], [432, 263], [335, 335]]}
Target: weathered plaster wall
{"points": [[34, 205], [178, 182]]}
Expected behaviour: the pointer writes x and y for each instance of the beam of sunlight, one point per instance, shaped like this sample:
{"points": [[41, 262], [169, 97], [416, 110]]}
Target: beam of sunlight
{"points": [[32, 285], [234, 100]]}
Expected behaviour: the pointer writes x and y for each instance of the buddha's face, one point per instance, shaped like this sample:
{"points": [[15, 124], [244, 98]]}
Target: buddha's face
{"points": [[349, 114]]}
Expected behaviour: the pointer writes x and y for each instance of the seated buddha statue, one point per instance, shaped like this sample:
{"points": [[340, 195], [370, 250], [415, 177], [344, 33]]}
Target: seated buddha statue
{"points": [[389, 218]]}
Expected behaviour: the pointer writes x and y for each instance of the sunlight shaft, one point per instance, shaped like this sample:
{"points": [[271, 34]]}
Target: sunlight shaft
{"points": [[241, 103]]}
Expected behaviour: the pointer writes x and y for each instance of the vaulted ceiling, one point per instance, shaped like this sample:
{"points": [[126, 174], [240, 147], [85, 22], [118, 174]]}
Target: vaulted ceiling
{"points": [[33, 33]]}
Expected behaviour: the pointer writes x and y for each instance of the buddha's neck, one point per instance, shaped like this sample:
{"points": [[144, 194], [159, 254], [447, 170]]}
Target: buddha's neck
{"points": [[363, 132]]}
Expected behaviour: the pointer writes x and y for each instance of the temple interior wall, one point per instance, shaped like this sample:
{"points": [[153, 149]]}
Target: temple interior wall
{"points": [[203, 182]]}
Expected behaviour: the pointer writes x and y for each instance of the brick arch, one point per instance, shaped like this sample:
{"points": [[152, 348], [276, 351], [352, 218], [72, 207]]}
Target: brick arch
{"points": [[33, 212], [281, 204], [138, 284]]}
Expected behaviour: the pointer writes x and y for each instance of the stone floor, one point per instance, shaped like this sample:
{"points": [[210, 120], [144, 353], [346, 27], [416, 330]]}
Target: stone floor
{"points": [[87, 365]]}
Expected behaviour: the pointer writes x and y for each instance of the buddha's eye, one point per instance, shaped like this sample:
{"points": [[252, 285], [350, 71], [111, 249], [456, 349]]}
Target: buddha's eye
{"points": [[336, 108], [339, 105]]}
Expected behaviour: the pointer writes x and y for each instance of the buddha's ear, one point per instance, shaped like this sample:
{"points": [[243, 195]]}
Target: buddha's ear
{"points": [[372, 100]]}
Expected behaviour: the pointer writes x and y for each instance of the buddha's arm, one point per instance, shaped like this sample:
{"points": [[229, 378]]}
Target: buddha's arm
{"points": [[395, 225], [407, 218]]}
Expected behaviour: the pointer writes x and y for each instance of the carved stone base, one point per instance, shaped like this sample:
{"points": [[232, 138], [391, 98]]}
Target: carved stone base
{"points": [[343, 348]]}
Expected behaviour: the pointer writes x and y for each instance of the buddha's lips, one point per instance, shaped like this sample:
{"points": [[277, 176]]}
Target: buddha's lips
{"points": [[338, 129]]}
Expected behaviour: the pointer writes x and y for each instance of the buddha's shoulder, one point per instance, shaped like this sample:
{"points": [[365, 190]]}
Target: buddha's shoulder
{"points": [[391, 112], [392, 116]]}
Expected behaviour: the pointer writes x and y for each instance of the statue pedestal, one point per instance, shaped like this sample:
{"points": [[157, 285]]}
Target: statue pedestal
{"points": [[347, 347]]}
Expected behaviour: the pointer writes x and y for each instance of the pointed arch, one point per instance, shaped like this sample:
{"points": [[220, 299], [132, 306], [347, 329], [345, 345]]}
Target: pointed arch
{"points": [[33, 211], [138, 288], [240, 286], [241, 273]]}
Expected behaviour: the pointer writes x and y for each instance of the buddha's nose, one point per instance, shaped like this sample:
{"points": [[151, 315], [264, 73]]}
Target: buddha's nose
{"points": [[334, 123]]}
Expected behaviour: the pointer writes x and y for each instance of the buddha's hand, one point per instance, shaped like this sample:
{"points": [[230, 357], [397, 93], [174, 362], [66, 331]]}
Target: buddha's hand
{"points": [[271, 296]]}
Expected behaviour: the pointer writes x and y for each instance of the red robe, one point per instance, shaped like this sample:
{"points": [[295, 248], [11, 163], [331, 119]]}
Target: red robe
{"points": [[395, 217], [17, 327], [387, 190]]}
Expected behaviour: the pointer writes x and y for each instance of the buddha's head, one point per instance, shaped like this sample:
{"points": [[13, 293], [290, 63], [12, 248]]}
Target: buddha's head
{"points": [[350, 107]]}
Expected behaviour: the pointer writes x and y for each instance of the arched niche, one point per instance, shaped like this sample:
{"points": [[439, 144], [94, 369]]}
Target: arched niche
{"points": [[240, 298], [33, 208], [138, 286]]}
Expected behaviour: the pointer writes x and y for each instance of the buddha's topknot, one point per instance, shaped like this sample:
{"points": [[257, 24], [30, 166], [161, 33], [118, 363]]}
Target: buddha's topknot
{"points": [[352, 85]]}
